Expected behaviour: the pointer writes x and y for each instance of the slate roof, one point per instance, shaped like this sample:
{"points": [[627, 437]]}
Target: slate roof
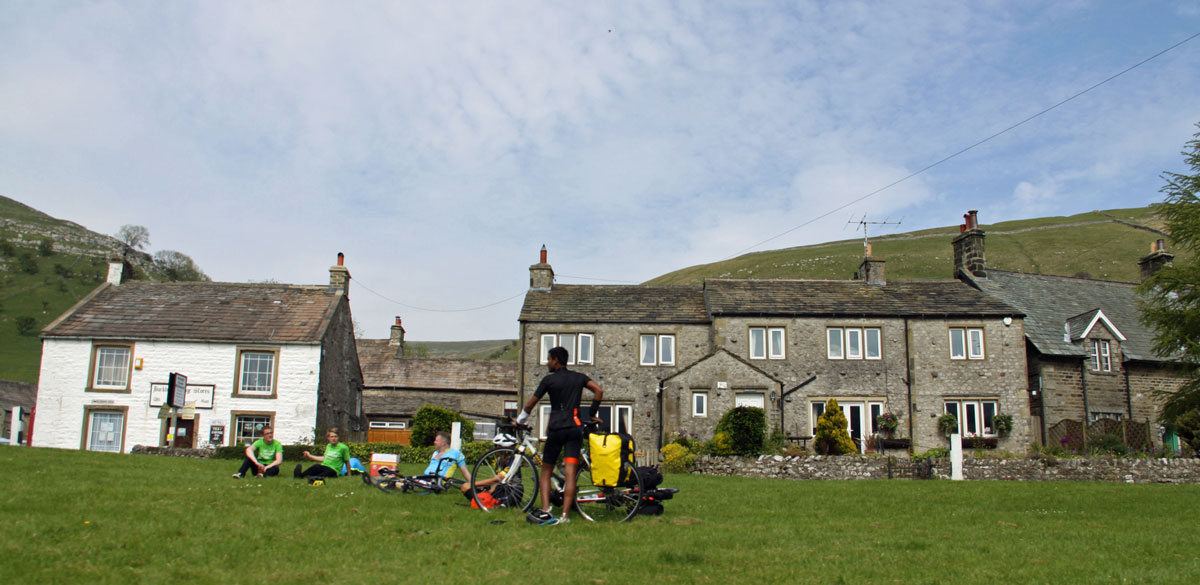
{"points": [[567, 303], [204, 311], [381, 369], [1052, 303], [849, 298]]}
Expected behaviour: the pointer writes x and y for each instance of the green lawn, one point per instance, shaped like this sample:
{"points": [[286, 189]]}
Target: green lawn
{"points": [[72, 517]]}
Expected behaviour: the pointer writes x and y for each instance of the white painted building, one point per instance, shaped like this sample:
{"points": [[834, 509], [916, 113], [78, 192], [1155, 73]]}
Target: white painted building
{"points": [[253, 354]]}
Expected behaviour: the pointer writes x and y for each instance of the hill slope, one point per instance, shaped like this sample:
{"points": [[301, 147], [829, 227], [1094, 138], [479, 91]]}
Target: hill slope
{"points": [[1104, 245]]}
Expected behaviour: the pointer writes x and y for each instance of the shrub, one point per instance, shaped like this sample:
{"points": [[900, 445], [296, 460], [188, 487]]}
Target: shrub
{"points": [[46, 247], [27, 264], [430, 419], [677, 458], [1004, 424], [1187, 427], [776, 441], [691, 443], [721, 445], [948, 424], [25, 325], [934, 453], [1105, 444], [746, 427], [832, 438], [7, 248]]}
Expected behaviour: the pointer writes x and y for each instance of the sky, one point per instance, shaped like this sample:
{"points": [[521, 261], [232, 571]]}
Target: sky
{"points": [[440, 145]]}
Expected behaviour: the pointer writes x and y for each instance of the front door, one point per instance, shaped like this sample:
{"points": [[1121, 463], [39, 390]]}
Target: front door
{"points": [[185, 433], [855, 423]]}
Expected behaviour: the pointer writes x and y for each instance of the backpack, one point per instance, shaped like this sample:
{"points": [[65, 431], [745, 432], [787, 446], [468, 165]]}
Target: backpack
{"points": [[651, 476], [608, 453], [489, 502]]}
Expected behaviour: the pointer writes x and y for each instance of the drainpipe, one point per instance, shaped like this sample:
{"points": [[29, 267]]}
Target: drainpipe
{"points": [[785, 395], [1128, 392], [912, 437], [659, 391]]}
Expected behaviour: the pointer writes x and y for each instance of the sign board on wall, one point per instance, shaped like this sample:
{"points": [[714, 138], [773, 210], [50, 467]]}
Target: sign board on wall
{"points": [[177, 390], [199, 394], [216, 435]]}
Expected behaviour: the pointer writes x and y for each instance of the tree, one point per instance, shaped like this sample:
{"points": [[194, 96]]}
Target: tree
{"points": [[832, 438], [46, 247], [1171, 297], [25, 325], [430, 419], [746, 427], [28, 263], [177, 266], [135, 237]]}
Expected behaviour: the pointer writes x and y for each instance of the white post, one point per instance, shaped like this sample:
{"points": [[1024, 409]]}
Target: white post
{"points": [[455, 439], [956, 457], [15, 428]]}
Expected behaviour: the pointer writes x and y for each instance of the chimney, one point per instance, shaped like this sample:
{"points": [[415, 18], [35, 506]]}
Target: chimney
{"points": [[1156, 260], [397, 340], [541, 275], [968, 246], [339, 276], [119, 271], [871, 270]]}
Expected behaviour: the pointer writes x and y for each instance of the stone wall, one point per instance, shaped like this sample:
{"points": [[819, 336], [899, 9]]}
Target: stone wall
{"points": [[1125, 470], [339, 395]]}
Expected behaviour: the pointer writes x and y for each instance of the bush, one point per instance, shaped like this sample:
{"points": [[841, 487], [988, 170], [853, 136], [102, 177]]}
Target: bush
{"points": [[1106, 444], [948, 424], [747, 429], [430, 419], [776, 441], [7, 248], [1187, 427], [721, 445], [934, 453], [677, 458], [27, 264], [832, 438], [46, 247], [25, 325]]}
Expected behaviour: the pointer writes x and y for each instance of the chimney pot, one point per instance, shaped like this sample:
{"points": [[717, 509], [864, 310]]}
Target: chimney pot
{"points": [[341, 259], [974, 213], [543, 256]]}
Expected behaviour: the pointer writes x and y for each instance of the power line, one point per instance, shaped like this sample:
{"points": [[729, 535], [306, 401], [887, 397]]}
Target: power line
{"points": [[416, 308], [971, 147]]}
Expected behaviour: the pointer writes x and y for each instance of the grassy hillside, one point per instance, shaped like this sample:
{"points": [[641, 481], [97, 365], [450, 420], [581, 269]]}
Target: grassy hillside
{"points": [[494, 349], [1100, 244]]}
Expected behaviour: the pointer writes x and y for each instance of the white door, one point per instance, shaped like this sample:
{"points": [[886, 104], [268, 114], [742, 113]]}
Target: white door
{"points": [[104, 431], [856, 421], [754, 399]]}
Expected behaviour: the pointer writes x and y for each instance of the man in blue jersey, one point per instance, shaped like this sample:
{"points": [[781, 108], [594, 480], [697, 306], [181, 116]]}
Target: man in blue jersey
{"points": [[564, 432]]}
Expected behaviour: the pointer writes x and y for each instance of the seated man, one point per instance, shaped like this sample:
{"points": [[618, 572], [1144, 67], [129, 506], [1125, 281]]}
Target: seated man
{"points": [[263, 456], [335, 458]]}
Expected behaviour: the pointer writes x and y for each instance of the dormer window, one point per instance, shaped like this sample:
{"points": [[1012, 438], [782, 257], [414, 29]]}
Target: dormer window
{"points": [[1101, 355]]}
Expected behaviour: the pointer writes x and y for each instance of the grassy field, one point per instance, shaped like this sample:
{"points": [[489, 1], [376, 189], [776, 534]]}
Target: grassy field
{"points": [[73, 517]]}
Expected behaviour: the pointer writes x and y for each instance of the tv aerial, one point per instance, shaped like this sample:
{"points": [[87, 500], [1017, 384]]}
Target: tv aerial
{"points": [[863, 223]]}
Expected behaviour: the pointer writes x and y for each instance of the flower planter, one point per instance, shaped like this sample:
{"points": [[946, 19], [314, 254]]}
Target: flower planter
{"points": [[890, 443], [980, 442]]}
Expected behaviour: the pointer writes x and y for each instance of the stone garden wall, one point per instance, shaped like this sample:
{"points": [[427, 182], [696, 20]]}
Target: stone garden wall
{"points": [[1126, 470]]}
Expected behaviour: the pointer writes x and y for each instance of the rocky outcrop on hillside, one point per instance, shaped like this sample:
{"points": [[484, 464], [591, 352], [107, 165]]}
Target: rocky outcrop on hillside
{"points": [[71, 239]]}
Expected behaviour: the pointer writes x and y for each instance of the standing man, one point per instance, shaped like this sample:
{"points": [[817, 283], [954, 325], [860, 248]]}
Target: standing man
{"points": [[263, 456], [564, 433]]}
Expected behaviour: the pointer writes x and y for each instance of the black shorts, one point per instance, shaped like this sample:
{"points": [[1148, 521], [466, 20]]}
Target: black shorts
{"points": [[568, 441]]}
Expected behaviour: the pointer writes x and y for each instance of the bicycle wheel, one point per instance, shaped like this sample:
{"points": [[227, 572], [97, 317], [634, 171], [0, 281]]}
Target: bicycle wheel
{"points": [[507, 476], [608, 504]]}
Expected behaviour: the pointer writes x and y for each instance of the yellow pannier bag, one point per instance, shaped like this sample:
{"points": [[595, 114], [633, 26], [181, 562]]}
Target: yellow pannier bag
{"points": [[605, 451]]}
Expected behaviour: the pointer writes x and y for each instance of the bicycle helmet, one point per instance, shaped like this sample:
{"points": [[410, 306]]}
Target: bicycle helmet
{"points": [[539, 516], [504, 440]]}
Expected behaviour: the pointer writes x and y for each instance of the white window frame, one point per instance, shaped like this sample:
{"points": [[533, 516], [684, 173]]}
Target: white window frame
{"points": [[814, 415], [574, 354], [101, 355], [872, 407], [390, 424], [1101, 355], [760, 393], [833, 334], [854, 343], [652, 346], [242, 372], [103, 433], [624, 411], [700, 407], [766, 346], [868, 333], [978, 428], [971, 340]]}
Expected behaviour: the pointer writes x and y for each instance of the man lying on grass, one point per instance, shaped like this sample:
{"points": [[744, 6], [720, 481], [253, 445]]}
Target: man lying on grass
{"points": [[337, 455]]}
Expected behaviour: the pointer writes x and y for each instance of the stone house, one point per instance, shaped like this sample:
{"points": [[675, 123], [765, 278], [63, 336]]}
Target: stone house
{"points": [[16, 404], [254, 355], [673, 359], [395, 386], [1090, 359]]}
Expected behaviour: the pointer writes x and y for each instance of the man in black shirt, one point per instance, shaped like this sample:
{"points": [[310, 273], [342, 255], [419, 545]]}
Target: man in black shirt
{"points": [[564, 432]]}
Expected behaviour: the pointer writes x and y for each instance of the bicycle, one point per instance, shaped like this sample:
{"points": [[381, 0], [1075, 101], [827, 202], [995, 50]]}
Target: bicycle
{"points": [[513, 470], [390, 481]]}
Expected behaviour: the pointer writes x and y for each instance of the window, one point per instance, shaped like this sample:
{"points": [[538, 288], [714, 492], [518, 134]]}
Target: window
{"points": [[580, 346], [975, 417], [1095, 416], [767, 343], [248, 427], [1101, 358], [699, 403], [622, 423], [657, 350], [853, 343], [876, 410], [105, 430], [110, 367], [966, 343], [397, 425], [256, 372], [751, 398], [510, 408]]}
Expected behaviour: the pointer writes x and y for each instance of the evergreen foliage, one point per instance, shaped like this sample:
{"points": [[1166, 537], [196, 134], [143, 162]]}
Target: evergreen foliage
{"points": [[430, 419], [746, 427], [1171, 302], [832, 436], [46, 247]]}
